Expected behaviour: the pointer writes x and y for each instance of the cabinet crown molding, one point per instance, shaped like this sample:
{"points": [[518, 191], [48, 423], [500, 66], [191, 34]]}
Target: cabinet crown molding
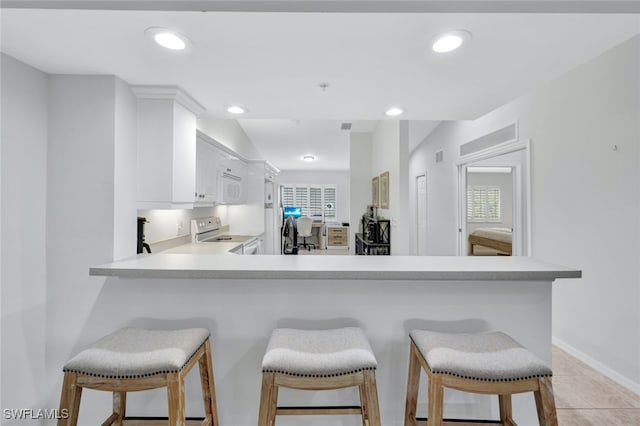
{"points": [[173, 93]]}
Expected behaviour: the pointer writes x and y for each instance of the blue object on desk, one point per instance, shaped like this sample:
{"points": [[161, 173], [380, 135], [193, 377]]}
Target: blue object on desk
{"points": [[294, 212]]}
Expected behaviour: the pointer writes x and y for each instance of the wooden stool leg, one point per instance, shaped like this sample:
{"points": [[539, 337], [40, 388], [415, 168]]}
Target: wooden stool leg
{"points": [[545, 403], [208, 385], [371, 390], [264, 416], [70, 400], [363, 405], [175, 394], [413, 383], [273, 406], [435, 401], [505, 410], [119, 407]]}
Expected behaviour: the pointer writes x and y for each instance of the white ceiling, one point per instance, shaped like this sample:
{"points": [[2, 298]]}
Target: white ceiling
{"points": [[272, 63]]}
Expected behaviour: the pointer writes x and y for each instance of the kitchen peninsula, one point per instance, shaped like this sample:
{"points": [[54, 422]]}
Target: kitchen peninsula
{"points": [[242, 298]]}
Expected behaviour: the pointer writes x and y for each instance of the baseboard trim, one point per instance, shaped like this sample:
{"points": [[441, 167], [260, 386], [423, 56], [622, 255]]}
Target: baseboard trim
{"points": [[598, 366]]}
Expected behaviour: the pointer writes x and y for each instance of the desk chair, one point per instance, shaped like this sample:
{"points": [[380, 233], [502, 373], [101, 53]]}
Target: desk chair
{"points": [[305, 225]]}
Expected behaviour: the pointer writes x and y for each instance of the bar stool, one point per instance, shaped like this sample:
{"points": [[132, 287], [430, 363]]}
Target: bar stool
{"points": [[485, 363], [133, 359], [319, 360]]}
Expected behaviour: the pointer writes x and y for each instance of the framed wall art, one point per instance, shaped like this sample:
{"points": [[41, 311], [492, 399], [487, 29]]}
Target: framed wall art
{"points": [[375, 192], [384, 190]]}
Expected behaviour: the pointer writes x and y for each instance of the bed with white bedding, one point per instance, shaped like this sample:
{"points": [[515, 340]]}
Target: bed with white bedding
{"points": [[499, 239]]}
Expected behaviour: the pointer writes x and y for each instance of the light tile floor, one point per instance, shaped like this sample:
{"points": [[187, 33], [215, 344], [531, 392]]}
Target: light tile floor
{"points": [[585, 397]]}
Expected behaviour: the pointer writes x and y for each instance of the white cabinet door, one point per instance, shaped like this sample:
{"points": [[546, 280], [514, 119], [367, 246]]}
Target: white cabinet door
{"points": [[166, 154], [206, 172]]}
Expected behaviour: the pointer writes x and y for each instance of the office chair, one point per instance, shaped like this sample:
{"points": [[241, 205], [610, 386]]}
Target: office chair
{"points": [[304, 230]]}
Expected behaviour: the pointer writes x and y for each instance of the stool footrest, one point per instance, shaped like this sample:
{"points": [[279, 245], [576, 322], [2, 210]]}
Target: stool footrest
{"points": [[326, 410], [460, 422], [161, 421], [111, 419]]}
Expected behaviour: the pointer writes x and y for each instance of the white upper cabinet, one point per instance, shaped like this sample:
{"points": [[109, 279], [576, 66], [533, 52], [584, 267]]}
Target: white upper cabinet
{"points": [[206, 172], [166, 147]]}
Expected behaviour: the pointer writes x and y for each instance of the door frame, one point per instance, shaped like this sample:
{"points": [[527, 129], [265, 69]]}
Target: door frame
{"points": [[415, 180], [520, 214]]}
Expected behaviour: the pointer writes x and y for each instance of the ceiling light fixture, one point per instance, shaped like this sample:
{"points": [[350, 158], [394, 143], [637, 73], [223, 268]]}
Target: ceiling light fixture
{"points": [[235, 109], [168, 39], [309, 158], [450, 41], [395, 111]]}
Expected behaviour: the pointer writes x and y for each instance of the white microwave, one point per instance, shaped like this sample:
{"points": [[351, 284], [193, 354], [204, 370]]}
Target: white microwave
{"points": [[230, 190]]}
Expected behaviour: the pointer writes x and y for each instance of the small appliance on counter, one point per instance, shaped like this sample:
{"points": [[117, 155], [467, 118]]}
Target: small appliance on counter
{"points": [[141, 244]]}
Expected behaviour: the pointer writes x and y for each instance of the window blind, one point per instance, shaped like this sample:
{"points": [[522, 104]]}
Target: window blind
{"points": [[316, 200], [483, 204], [329, 203]]}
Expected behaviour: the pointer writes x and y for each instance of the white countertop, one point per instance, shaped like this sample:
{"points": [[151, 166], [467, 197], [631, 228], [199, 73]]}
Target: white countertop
{"points": [[219, 248], [196, 262]]}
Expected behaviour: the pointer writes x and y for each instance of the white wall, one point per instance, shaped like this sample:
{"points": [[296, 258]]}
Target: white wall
{"points": [[125, 160], [87, 138], [230, 134], [359, 182], [23, 229], [390, 152], [573, 123], [330, 177]]}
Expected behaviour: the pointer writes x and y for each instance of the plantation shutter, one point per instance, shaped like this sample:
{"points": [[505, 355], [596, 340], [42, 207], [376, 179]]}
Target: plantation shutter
{"points": [[315, 200], [288, 196], [329, 203], [483, 204], [493, 203], [302, 198]]}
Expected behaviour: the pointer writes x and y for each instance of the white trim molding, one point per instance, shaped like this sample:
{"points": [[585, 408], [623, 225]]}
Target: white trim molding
{"points": [[173, 93]]}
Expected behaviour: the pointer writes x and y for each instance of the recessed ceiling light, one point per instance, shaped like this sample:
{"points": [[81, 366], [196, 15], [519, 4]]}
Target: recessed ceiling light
{"points": [[392, 112], [450, 41], [309, 158], [235, 109], [168, 39]]}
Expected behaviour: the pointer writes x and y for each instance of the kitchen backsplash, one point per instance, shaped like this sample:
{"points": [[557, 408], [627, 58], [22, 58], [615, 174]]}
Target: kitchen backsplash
{"points": [[168, 224]]}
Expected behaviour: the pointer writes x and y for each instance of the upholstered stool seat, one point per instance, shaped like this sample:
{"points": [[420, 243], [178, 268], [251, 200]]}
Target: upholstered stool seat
{"points": [[320, 353], [488, 363], [492, 356], [319, 360], [132, 353], [133, 359]]}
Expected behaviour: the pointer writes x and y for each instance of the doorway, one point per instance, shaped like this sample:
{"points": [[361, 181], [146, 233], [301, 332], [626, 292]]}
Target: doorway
{"points": [[489, 210], [493, 202]]}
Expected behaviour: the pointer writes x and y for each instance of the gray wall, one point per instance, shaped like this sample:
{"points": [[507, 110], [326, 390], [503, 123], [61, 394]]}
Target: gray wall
{"points": [[87, 134], [23, 225], [585, 139]]}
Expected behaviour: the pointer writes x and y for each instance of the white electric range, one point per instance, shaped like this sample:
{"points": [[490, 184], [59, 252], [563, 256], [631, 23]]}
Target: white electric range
{"points": [[208, 230]]}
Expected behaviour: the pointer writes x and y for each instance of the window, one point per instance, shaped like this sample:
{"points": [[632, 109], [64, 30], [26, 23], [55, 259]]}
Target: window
{"points": [[315, 200], [483, 204]]}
